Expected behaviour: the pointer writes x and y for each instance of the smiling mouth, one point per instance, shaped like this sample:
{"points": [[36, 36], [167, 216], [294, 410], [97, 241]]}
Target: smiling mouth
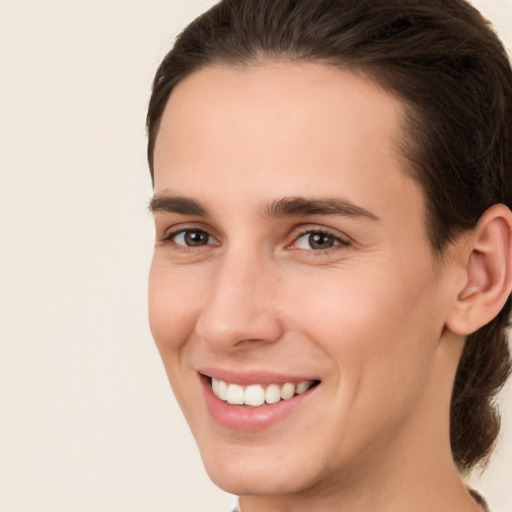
{"points": [[256, 395]]}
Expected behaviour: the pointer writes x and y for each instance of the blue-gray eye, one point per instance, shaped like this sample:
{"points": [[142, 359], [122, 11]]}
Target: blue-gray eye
{"points": [[192, 238], [316, 241]]}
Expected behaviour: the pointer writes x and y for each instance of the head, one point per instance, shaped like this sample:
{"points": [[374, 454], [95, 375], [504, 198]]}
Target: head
{"points": [[451, 79]]}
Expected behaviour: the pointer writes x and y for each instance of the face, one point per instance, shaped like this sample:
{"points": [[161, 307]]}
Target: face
{"points": [[294, 297]]}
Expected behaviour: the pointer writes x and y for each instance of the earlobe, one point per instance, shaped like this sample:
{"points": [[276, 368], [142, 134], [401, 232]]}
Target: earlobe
{"points": [[486, 257]]}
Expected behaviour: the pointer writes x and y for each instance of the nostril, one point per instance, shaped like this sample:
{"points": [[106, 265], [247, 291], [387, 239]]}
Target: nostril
{"points": [[237, 331]]}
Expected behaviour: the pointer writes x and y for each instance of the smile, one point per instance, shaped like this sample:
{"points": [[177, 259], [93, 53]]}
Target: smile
{"points": [[256, 395], [254, 401]]}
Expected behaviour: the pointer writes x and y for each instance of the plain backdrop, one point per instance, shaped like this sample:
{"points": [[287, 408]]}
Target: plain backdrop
{"points": [[87, 418]]}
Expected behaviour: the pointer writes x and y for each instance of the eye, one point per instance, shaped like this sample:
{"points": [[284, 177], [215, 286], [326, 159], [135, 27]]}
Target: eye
{"points": [[192, 238], [317, 240]]}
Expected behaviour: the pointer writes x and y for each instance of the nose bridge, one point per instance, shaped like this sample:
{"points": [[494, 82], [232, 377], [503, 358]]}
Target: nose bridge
{"points": [[239, 305]]}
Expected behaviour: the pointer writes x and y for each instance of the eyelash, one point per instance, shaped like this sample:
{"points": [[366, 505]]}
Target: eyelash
{"points": [[171, 239], [339, 242]]}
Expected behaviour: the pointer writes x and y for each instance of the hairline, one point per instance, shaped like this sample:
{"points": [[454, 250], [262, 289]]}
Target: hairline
{"points": [[406, 143]]}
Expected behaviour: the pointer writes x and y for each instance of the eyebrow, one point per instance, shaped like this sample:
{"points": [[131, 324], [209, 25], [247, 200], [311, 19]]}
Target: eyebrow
{"points": [[284, 207], [302, 206], [163, 203]]}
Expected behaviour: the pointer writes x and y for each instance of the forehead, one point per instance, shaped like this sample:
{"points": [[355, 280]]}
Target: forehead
{"points": [[282, 129], [267, 99]]}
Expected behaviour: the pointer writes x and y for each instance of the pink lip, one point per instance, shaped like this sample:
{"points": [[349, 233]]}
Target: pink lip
{"points": [[252, 377], [251, 419]]}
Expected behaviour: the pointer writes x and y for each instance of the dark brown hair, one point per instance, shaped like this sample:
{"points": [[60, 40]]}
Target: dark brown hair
{"points": [[447, 66]]}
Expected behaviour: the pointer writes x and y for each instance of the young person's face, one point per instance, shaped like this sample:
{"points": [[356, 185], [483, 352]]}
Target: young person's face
{"points": [[291, 248]]}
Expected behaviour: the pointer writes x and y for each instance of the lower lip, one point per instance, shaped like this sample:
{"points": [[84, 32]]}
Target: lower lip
{"points": [[251, 419]]}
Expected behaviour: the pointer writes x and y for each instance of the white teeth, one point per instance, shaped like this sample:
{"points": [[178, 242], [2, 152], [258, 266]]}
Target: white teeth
{"points": [[235, 394], [303, 386], [272, 394], [222, 391], [287, 391], [215, 387], [255, 394]]}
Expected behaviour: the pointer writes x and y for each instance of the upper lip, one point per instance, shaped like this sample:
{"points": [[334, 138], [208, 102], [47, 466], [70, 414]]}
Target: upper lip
{"points": [[248, 377]]}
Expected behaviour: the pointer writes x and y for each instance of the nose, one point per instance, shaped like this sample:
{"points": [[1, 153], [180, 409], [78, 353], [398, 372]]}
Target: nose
{"points": [[239, 310]]}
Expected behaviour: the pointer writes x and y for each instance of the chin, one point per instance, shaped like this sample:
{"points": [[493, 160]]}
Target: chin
{"points": [[251, 470], [250, 481]]}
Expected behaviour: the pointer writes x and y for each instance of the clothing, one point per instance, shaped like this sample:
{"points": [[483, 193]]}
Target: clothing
{"points": [[478, 498]]}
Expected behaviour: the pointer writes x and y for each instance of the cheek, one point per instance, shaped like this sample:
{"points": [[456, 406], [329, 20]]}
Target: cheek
{"points": [[381, 342], [380, 324], [172, 308], [172, 319]]}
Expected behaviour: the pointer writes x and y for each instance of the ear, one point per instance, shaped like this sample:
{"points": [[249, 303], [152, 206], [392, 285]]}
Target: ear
{"points": [[486, 261]]}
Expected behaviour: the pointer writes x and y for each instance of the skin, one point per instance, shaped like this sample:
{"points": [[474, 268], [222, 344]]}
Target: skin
{"points": [[367, 316]]}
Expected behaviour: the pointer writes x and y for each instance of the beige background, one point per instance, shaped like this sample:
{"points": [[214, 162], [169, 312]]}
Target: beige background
{"points": [[87, 420]]}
